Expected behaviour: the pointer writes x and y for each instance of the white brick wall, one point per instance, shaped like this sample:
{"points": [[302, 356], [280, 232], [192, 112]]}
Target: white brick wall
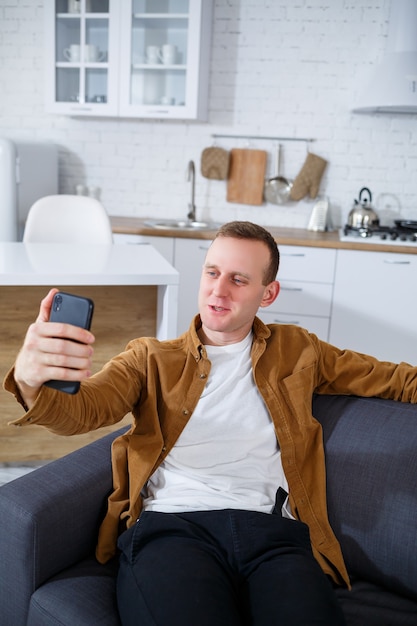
{"points": [[277, 68]]}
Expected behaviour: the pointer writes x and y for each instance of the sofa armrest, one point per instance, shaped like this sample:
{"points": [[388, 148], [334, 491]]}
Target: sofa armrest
{"points": [[371, 464], [49, 521]]}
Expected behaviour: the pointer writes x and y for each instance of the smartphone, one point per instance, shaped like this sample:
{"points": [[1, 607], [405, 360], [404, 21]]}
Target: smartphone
{"points": [[75, 310]]}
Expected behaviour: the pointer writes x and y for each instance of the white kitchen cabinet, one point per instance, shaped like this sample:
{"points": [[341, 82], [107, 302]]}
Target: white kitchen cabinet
{"points": [[99, 59], [187, 256], [82, 56], [306, 276], [188, 261], [165, 59], [317, 325], [375, 304], [164, 245]]}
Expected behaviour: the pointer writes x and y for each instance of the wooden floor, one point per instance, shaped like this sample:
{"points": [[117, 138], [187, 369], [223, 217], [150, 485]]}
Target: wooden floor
{"points": [[121, 313]]}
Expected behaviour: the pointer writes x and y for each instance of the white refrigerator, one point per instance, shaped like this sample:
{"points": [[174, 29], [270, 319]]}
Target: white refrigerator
{"points": [[28, 171]]}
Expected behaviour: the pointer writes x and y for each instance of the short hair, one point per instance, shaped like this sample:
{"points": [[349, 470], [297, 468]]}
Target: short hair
{"points": [[249, 230]]}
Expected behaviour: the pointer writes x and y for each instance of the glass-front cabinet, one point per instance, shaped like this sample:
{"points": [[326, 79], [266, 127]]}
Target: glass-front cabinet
{"points": [[85, 52], [166, 58], [130, 58]]}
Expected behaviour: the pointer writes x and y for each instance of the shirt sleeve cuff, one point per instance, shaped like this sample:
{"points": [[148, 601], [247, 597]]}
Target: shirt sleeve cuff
{"points": [[9, 384]]}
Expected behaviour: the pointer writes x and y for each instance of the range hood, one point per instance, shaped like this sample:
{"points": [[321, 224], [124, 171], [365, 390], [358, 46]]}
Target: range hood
{"points": [[392, 85]]}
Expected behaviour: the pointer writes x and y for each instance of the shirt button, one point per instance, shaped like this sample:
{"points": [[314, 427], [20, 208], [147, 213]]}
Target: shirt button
{"points": [[185, 411], [203, 375]]}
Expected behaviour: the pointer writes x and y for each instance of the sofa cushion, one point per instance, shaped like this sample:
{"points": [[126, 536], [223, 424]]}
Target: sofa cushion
{"points": [[371, 460], [370, 605], [83, 595]]}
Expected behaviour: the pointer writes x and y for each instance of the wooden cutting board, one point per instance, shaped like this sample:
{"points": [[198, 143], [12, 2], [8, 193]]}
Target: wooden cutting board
{"points": [[246, 176]]}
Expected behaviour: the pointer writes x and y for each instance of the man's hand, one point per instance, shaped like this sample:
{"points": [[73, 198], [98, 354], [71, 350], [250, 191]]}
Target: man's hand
{"points": [[47, 355]]}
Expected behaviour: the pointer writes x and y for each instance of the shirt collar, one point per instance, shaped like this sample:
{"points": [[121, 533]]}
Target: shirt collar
{"points": [[260, 333]]}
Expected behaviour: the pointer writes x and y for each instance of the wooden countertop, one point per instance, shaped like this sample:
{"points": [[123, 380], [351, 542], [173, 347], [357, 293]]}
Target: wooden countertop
{"points": [[283, 236]]}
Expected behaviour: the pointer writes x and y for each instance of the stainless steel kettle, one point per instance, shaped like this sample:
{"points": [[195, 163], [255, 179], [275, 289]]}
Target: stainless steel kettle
{"points": [[362, 215]]}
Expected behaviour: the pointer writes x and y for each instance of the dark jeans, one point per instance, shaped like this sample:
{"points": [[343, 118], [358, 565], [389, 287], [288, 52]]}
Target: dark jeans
{"points": [[221, 568]]}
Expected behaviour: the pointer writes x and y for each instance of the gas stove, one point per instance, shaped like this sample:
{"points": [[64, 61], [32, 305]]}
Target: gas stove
{"points": [[402, 233]]}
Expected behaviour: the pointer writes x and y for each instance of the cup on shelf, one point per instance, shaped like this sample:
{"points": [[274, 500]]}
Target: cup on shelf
{"points": [[74, 6], [99, 99], [167, 100], [152, 55], [168, 54], [80, 190], [72, 53], [92, 54], [94, 192]]}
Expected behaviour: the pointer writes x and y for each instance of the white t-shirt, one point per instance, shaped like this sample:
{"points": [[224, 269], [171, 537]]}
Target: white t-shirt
{"points": [[227, 456]]}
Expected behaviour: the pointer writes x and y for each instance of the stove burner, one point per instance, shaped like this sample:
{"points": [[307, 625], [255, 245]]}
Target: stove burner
{"points": [[401, 232]]}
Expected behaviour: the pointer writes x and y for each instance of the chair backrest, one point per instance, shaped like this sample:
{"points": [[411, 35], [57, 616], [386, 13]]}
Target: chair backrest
{"points": [[67, 219]]}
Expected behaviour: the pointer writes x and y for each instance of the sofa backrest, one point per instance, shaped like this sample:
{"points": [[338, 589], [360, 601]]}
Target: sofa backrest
{"points": [[371, 461]]}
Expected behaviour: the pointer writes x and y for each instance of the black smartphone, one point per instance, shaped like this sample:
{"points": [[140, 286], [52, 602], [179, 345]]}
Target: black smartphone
{"points": [[75, 310]]}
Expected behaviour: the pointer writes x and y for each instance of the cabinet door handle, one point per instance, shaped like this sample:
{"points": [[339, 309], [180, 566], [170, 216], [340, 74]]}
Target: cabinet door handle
{"points": [[293, 254], [203, 247], [295, 322], [391, 262], [291, 288]]}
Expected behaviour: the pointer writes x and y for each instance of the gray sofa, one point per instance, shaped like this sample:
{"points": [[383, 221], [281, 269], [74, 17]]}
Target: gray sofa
{"points": [[49, 520]]}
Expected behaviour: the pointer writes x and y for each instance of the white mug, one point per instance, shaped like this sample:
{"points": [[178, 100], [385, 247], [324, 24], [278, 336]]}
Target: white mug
{"points": [[168, 54], [92, 54], [152, 55], [80, 190], [73, 53], [74, 6], [167, 100], [94, 192]]}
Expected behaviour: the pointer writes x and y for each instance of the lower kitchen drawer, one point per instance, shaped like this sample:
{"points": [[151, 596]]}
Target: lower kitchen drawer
{"points": [[309, 264], [317, 325], [309, 298]]}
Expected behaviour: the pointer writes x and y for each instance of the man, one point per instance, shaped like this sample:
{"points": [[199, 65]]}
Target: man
{"points": [[222, 433]]}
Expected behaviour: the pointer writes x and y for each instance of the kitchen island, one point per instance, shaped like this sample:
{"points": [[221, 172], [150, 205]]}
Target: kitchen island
{"points": [[135, 291]]}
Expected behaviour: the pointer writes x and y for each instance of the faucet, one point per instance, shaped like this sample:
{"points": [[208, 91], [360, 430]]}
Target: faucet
{"points": [[191, 177]]}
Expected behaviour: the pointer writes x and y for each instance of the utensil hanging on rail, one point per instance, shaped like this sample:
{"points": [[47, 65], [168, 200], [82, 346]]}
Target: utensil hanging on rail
{"points": [[309, 177], [277, 189], [246, 176], [215, 163]]}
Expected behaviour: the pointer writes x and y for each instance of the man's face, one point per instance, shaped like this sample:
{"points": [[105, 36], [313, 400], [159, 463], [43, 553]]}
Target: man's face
{"points": [[232, 289]]}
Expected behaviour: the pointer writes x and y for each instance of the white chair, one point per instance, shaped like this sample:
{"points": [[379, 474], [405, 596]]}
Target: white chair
{"points": [[67, 219]]}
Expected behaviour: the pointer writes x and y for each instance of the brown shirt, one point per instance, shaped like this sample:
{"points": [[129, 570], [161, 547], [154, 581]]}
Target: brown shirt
{"points": [[161, 383]]}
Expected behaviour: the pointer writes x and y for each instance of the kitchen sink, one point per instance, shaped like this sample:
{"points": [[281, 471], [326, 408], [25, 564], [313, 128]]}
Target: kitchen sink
{"points": [[182, 225]]}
